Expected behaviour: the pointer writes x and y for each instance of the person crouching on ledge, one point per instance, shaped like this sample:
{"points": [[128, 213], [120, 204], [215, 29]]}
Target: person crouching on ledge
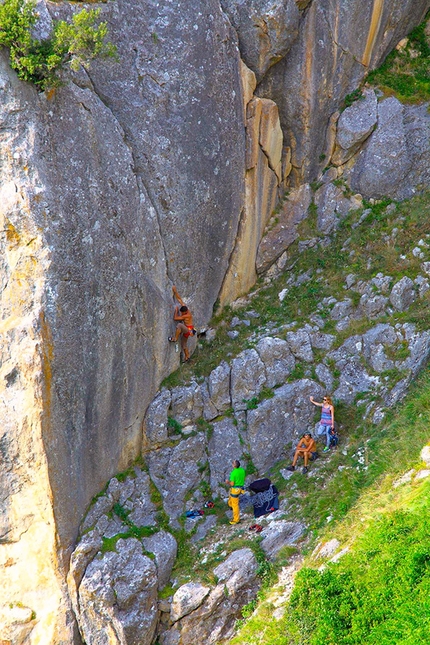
{"points": [[305, 448]]}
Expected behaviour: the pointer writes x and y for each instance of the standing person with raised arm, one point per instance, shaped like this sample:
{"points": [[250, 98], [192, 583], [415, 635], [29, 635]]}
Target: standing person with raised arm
{"points": [[185, 326], [327, 419]]}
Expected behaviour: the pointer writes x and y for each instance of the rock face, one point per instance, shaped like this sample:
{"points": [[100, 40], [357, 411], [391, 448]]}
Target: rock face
{"points": [[338, 43], [200, 614], [164, 167]]}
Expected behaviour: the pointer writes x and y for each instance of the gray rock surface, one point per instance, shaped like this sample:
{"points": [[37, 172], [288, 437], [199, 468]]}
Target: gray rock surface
{"points": [[219, 386], [282, 232], [118, 596], [332, 207], [355, 124], [403, 294], [187, 404], [224, 446], [279, 421], [175, 472], [215, 611], [155, 423], [395, 160], [187, 598], [266, 30], [277, 358], [163, 546], [279, 534], [300, 345], [248, 376]]}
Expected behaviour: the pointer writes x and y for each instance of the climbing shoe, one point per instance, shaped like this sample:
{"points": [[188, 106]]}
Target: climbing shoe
{"points": [[304, 470], [291, 468], [171, 339], [326, 449]]}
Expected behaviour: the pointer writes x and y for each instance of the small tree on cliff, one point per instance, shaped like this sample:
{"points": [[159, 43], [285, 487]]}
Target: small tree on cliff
{"points": [[39, 61]]}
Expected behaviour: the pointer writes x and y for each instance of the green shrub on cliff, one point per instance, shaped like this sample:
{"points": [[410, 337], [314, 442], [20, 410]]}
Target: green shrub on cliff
{"points": [[39, 61]]}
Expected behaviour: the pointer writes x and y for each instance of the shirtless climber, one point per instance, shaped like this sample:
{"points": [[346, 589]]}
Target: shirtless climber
{"points": [[185, 326]]}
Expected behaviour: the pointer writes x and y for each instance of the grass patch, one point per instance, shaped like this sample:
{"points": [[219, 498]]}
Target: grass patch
{"points": [[406, 73]]}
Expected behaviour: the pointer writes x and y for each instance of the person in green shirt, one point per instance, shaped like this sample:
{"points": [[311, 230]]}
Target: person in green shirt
{"points": [[236, 482]]}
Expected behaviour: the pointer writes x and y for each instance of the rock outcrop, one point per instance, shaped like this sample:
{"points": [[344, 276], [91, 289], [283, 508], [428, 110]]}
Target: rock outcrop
{"points": [[165, 167]]}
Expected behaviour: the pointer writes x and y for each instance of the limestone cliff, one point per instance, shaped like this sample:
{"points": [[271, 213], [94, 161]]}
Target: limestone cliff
{"points": [[161, 168]]}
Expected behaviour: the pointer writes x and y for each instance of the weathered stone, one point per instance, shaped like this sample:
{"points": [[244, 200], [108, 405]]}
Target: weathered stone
{"points": [[238, 570], [16, 623], [354, 380], [300, 345], [373, 306], [395, 160], [175, 471], [266, 30], [325, 376], [279, 421], [279, 237], [403, 294], [187, 404], [355, 124], [155, 422], [163, 546], [337, 63], [209, 409], [321, 341], [213, 621], [264, 174], [224, 446], [186, 599], [332, 206], [425, 455], [219, 386], [277, 358], [249, 83], [341, 310], [118, 595], [247, 378], [279, 534], [204, 527]]}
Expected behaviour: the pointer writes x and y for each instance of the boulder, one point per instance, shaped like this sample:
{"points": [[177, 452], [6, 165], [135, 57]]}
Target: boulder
{"points": [[353, 380], [332, 207], [372, 306], [395, 159], [155, 423], [219, 386], [215, 611], [224, 446], [187, 598], [300, 345], [248, 376], [187, 403], [403, 294], [279, 421], [175, 472], [163, 546], [266, 30], [425, 455], [354, 125], [118, 597], [279, 534], [277, 358]]}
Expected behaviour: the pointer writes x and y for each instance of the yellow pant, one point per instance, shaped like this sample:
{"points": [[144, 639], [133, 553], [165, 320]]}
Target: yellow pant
{"points": [[233, 502]]}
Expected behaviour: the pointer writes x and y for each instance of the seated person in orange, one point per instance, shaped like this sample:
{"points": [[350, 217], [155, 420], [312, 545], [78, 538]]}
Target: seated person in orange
{"points": [[305, 447], [185, 326]]}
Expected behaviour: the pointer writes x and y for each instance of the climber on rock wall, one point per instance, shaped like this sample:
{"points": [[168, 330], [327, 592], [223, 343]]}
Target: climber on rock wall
{"points": [[185, 326]]}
